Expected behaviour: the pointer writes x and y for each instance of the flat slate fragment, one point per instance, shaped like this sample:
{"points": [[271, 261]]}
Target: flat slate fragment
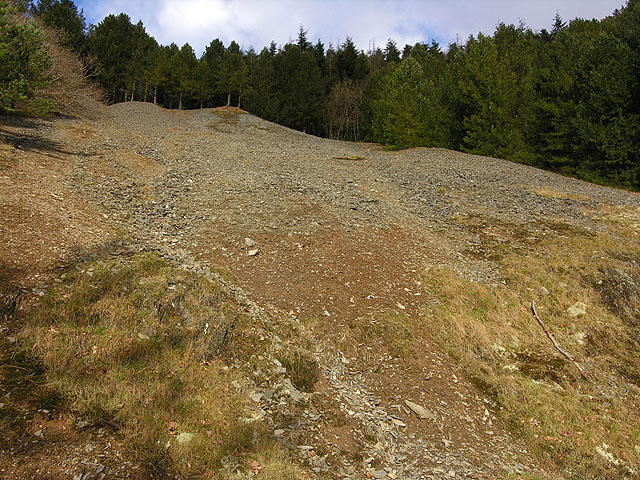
{"points": [[418, 410]]}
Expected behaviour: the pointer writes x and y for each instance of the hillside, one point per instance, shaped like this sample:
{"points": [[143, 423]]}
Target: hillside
{"points": [[316, 287]]}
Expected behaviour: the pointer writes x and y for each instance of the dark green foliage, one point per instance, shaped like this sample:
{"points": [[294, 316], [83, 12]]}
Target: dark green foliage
{"points": [[24, 60], [233, 72], [300, 89], [63, 15], [185, 66], [351, 63], [262, 100], [115, 41], [499, 87], [567, 100], [391, 52]]}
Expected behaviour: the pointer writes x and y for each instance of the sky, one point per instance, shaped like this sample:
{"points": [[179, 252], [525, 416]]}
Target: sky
{"points": [[255, 23]]}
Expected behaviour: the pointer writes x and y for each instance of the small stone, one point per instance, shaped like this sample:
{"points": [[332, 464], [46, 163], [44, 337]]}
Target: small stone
{"points": [[11, 339], [577, 309], [603, 451], [401, 306], [253, 253], [278, 433], [184, 438], [143, 336], [544, 291], [38, 434], [379, 474], [295, 395], [418, 410], [268, 395], [249, 242], [399, 423], [256, 397]]}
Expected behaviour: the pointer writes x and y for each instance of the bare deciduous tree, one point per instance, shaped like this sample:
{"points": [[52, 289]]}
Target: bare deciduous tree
{"points": [[343, 111]]}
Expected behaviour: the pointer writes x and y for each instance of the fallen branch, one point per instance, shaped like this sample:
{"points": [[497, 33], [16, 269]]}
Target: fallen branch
{"points": [[555, 343]]}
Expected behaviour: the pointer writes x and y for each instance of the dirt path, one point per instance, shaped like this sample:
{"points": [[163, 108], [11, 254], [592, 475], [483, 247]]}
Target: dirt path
{"points": [[324, 231]]}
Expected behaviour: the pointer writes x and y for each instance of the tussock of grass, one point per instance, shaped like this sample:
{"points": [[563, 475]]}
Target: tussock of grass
{"points": [[143, 349], [301, 366], [572, 424]]}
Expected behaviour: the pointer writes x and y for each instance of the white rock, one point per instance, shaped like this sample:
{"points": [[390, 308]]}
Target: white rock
{"points": [[418, 410], [577, 309], [184, 438], [603, 452], [253, 253]]}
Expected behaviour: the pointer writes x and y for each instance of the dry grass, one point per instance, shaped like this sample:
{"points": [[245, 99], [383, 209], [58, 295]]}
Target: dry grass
{"points": [[156, 355], [301, 366], [579, 429]]}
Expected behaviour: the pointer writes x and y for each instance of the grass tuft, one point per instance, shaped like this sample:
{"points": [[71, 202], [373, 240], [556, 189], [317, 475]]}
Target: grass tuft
{"points": [[302, 367]]}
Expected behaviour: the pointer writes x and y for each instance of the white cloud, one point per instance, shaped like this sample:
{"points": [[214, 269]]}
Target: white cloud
{"points": [[258, 22]]}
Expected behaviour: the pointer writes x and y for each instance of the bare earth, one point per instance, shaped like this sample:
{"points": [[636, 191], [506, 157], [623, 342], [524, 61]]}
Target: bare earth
{"points": [[343, 231]]}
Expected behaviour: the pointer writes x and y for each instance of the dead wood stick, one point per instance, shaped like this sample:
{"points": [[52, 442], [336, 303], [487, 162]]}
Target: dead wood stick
{"points": [[555, 343]]}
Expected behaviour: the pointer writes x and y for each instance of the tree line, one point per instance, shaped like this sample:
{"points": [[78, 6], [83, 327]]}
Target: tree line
{"points": [[565, 99]]}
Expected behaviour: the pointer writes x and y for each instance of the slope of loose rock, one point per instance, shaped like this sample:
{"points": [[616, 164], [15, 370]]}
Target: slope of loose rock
{"points": [[329, 234]]}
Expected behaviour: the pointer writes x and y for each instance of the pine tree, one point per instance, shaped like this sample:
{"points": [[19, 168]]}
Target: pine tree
{"points": [[300, 89], [391, 52], [233, 73], [23, 57], [64, 15], [186, 65], [113, 42], [303, 43]]}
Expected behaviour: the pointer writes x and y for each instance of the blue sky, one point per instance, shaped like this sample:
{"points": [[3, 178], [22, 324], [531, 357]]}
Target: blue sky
{"points": [[257, 22]]}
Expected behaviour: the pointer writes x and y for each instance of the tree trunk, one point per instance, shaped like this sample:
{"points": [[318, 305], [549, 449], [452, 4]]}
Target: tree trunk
{"points": [[155, 95], [239, 97], [229, 98], [180, 104], [146, 91], [133, 90]]}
